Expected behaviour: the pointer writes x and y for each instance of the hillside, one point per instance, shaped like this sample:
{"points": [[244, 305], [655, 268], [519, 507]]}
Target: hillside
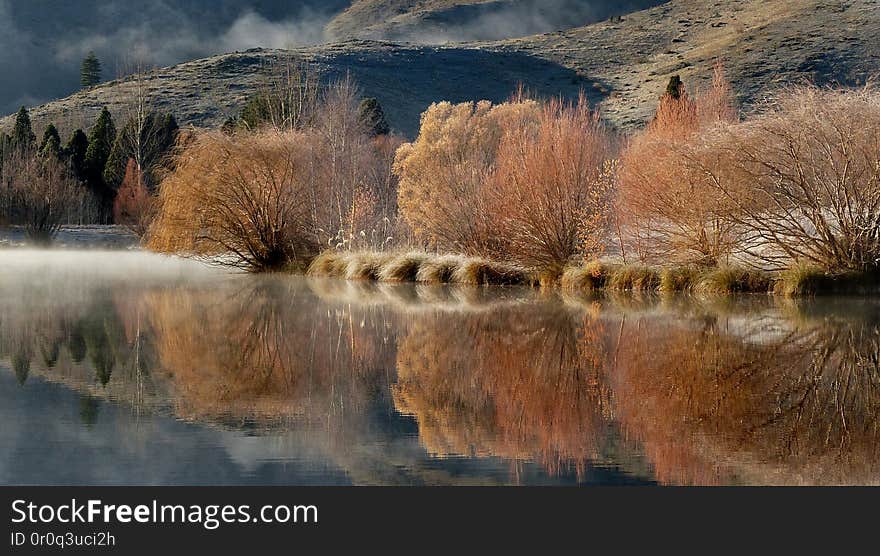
{"points": [[440, 21], [623, 64]]}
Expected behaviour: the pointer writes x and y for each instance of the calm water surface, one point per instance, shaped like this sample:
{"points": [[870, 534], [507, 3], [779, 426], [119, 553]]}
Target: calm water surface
{"points": [[128, 368]]}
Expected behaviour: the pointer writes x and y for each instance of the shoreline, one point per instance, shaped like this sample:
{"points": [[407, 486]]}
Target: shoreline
{"points": [[592, 276]]}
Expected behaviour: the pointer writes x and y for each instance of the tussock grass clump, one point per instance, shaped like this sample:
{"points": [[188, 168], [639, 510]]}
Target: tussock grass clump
{"points": [[330, 264], [680, 279], [727, 280], [402, 268], [365, 266], [438, 270], [478, 272], [634, 278], [587, 277], [805, 280]]}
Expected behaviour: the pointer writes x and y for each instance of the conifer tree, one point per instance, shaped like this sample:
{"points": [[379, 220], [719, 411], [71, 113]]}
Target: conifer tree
{"points": [[90, 71], [23, 134], [675, 87], [75, 152], [372, 116], [100, 143], [50, 144]]}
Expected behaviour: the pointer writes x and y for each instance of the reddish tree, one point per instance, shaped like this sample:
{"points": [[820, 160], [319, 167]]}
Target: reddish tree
{"points": [[133, 207]]}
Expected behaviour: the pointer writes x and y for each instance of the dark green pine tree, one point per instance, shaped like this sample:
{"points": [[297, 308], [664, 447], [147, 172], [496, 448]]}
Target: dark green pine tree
{"points": [[90, 71], [372, 116], [675, 87], [100, 143], [117, 160], [23, 134], [50, 144], [75, 152]]}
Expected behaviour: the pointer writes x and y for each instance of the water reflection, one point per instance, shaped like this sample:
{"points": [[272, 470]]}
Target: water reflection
{"points": [[286, 380], [785, 395]]}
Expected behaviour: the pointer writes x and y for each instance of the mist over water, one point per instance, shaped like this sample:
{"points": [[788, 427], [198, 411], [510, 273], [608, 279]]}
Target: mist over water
{"points": [[114, 361]]}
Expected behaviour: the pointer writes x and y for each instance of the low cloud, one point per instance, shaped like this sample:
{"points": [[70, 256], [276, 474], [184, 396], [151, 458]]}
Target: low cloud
{"points": [[40, 52]]}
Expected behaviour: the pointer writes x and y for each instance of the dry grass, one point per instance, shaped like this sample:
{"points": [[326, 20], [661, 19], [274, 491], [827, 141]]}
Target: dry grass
{"points": [[478, 272], [438, 270], [587, 277], [365, 266], [728, 280], [679, 279], [805, 280], [329, 264], [634, 278], [403, 268]]}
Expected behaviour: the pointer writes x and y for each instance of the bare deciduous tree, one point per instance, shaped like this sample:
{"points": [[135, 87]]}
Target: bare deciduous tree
{"points": [[443, 173], [38, 193], [245, 200], [802, 180]]}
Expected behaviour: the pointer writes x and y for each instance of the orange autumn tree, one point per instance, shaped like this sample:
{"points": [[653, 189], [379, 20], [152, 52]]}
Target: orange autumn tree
{"points": [[666, 210], [551, 198], [134, 205]]}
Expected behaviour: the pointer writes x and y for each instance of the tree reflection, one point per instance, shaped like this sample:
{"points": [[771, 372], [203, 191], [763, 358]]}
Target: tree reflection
{"points": [[727, 399], [523, 383], [708, 392], [268, 351]]}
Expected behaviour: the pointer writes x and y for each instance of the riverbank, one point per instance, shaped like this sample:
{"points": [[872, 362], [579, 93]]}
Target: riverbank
{"points": [[420, 267]]}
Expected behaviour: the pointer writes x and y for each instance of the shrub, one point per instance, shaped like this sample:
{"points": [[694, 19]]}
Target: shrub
{"points": [[549, 194], [247, 199], [134, 206], [667, 212]]}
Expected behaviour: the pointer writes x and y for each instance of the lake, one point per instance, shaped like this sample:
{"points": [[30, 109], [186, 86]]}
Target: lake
{"points": [[129, 368]]}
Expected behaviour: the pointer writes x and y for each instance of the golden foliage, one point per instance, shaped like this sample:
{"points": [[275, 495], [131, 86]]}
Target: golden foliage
{"points": [[443, 174]]}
